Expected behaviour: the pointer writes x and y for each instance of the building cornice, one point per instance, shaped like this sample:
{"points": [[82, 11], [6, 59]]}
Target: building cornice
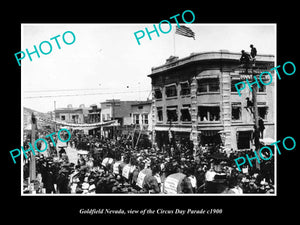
{"points": [[208, 56]]}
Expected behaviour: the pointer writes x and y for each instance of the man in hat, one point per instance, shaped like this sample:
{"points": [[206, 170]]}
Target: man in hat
{"points": [[48, 177], [253, 52], [209, 178], [245, 59], [62, 151], [261, 127], [63, 180]]}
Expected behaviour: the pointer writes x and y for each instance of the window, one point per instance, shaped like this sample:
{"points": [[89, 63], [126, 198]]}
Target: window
{"points": [[159, 113], [74, 118], [140, 107], [171, 91], [233, 88], [262, 88], [63, 117], [185, 88], [107, 116], [262, 112], [145, 118], [236, 111], [243, 140], [208, 85], [136, 119], [157, 93], [103, 117], [185, 113], [172, 113], [208, 113]]}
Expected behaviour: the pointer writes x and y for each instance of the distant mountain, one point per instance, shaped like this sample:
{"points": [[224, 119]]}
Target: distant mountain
{"points": [[27, 117]]}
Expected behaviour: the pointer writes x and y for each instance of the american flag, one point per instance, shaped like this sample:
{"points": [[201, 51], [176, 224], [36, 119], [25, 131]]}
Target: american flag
{"points": [[185, 31]]}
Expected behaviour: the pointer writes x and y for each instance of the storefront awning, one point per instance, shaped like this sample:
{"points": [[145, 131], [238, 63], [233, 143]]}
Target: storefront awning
{"points": [[176, 129], [81, 125], [171, 107], [209, 133], [209, 104], [208, 74], [267, 141]]}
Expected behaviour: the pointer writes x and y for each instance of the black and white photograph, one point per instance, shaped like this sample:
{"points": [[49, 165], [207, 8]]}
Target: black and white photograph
{"points": [[149, 112], [161, 109]]}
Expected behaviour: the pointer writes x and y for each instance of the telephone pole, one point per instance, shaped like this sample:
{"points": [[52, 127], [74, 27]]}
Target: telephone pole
{"points": [[32, 163], [113, 117], [251, 65], [255, 117]]}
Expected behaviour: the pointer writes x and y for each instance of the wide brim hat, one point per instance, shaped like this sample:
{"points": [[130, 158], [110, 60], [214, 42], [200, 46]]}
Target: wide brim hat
{"points": [[126, 184], [64, 170]]}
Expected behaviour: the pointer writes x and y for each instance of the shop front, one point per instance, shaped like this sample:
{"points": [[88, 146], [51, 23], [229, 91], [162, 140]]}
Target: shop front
{"points": [[210, 137], [165, 136]]}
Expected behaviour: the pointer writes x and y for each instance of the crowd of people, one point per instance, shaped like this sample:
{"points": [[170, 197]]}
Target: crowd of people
{"points": [[117, 166]]}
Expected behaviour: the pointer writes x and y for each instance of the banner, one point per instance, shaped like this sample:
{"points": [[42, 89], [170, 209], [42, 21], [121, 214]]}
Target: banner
{"points": [[81, 125]]}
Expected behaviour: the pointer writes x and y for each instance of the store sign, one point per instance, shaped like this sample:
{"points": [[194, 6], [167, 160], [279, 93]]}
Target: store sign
{"points": [[250, 77], [246, 76], [264, 78]]}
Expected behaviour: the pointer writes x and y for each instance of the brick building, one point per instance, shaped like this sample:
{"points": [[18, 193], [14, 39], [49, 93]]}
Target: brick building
{"points": [[142, 116], [115, 109], [72, 114], [195, 97]]}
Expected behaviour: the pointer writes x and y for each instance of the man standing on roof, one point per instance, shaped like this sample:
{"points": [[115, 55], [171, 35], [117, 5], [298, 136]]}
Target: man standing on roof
{"points": [[245, 59], [253, 52]]}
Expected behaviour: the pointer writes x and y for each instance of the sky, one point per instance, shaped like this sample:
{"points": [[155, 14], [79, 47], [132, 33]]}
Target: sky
{"points": [[106, 62]]}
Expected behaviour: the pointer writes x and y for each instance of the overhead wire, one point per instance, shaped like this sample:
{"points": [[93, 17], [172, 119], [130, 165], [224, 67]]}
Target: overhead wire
{"points": [[85, 94]]}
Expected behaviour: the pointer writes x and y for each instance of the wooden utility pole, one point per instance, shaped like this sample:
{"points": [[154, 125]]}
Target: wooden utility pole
{"points": [[32, 163], [255, 109], [113, 117], [255, 116]]}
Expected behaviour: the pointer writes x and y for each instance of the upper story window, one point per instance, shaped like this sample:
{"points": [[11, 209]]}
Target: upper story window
{"points": [[172, 113], [185, 88], [159, 113], [262, 111], [157, 93], [185, 113], [208, 85], [145, 118], [171, 91], [208, 113], [236, 111], [136, 118], [233, 83], [262, 88]]}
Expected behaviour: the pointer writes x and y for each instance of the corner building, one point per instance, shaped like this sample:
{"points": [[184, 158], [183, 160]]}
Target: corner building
{"points": [[195, 97]]}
